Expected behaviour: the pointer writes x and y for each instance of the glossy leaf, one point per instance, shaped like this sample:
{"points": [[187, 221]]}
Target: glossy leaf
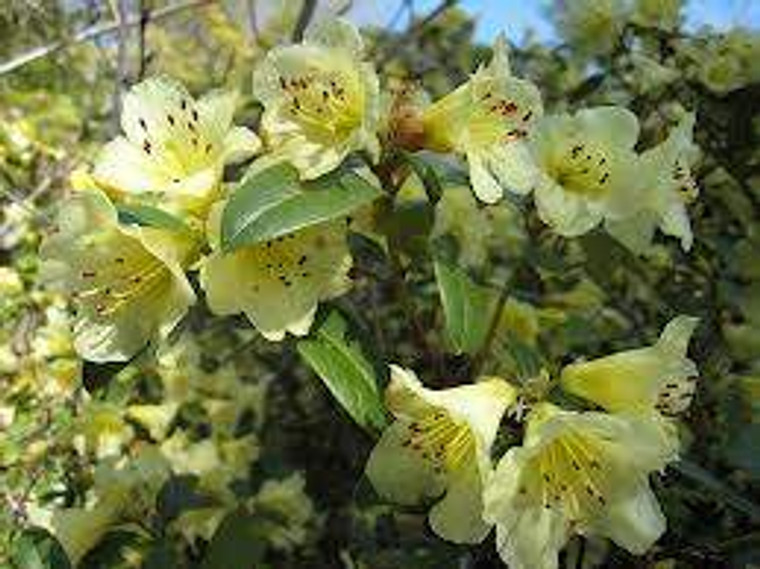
{"points": [[140, 214], [466, 307], [273, 203], [346, 369], [427, 175], [35, 548]]}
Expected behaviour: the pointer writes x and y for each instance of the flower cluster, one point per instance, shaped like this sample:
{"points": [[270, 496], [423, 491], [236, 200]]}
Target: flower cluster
{"points": [[575, 473], [321, 103], [128, 281], [152, 219], [129, 471]]}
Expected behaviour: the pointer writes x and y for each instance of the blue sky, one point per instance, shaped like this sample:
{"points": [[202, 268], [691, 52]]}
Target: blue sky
{"points": [[516, 17]]}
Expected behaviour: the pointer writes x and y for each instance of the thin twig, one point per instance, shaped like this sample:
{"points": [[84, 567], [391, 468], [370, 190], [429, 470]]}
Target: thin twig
{"points": [[95, 32], [304, 17], [253, 24], [142, 60], [387, 53], [121, 79]]}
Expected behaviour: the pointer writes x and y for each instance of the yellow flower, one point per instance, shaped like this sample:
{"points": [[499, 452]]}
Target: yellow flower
{"points": [[124, 491], [576, 473], [101, 431], [289, 508], [487, 119], [659, 378], [439, 449], [155, 418], [279, 283], [668, 186], [127, 282], [321, 100], [10, 282], [173, 146], [592, 26], [586, 164]]}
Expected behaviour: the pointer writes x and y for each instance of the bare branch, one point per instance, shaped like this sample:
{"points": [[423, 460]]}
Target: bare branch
{"points": [[121, 79], [94, 32], [304, 17], [145, 7], [412, 32]]}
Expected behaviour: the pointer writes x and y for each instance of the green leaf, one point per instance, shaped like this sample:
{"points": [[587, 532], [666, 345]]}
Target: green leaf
{"points": [[742, 450], [161, 555], [427, 175], [117, 549], [35, 548], [256, 193], [148, 216], [466, 307], [273, 203], [407, 227], [180, 494], [240, 539], [346, 369]]}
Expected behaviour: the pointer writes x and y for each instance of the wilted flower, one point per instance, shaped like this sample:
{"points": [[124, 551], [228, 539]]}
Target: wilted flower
{"points": [[487, 120], [667, 186], [575, 473], [127, 282], [173, 146], [439, 448], [321, 99]]}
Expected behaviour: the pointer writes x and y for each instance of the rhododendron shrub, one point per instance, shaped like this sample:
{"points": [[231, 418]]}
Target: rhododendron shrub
{"points": [[510, 306]]}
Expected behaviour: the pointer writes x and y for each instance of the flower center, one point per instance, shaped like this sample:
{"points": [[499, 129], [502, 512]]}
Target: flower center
{"points": [[290, 260], [499, 119], [583, 170], [568, 475], [178, 141], [114, 283], [323, 102], [441, 440]]}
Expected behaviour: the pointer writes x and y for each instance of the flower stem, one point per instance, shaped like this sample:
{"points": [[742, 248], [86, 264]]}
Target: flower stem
{"points": [[482, 355]]}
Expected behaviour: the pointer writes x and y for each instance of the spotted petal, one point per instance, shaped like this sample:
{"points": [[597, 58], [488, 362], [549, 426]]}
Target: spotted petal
{"points": [[640, 380], [278, 284], [321, 100], [128, 284], [575, 473], [172, 143], [439, 447]]}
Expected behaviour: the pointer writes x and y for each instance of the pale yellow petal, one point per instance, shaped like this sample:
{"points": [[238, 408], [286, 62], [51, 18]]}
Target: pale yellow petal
{"points": [[125, 294], [398, 473], [458, 516], [278, 284]]}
